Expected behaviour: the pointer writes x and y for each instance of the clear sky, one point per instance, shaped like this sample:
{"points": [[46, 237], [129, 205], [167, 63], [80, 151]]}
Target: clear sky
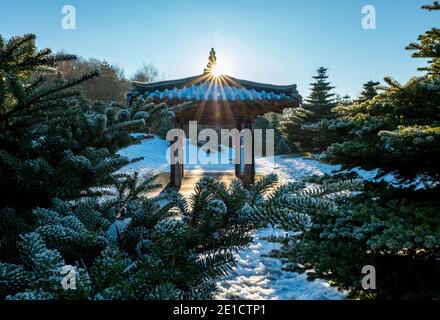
{"points": [[272, 41]]}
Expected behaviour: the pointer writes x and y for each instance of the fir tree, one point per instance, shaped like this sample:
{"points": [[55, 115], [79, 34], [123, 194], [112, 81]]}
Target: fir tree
{"points": [[428, 45], [395, 229], [369, 91], [133, 247], [64, 204], [321, 100], [396, 131], [344, 100], [299, 124], [52, 143], [335, 231]]}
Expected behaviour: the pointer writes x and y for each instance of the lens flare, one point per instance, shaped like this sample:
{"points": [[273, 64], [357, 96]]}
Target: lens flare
{"points": [[217, 70]]}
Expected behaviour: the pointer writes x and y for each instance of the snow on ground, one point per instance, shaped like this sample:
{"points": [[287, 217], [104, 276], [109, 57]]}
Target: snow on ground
{"points": [[290, 168], [155, 152], [287, 167], [420, 182], [256, 276]]}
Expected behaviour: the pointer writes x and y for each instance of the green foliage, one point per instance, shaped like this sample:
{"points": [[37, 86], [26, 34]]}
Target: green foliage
{"points": [[185, 246], [333, 237], [40, 274], [273, 121], [64, 204], [370, 90], [299, 125], [397, 131], [22, 97], [136, 247], [428, 46], [11, 225], [321, 99], [52, 142], [337, 231]]}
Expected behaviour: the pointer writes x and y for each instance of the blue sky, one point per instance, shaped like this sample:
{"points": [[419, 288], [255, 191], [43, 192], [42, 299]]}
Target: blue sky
{"points": [[273, 41]]}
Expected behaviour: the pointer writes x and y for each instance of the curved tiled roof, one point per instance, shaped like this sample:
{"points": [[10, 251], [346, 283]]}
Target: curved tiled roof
{"points": [[209, 88]]}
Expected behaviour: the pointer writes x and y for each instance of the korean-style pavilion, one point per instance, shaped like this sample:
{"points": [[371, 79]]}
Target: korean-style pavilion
{"points": [[219, 101]]}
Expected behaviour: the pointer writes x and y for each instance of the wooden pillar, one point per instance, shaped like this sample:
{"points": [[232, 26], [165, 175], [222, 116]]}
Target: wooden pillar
{"points": [[237, 165], [249, 168], [247, 176], [182, 167], [173, 169], [176, 170], [252, 173]]}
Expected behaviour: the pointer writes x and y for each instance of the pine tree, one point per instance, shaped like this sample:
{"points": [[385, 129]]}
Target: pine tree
{"points": [[369, 91], [133, 247], [320, 100], [65, 204], [428, 45], [396, 229], [52, 143], [335, 130], [41, 274], [335, 230], [299, 124], [396, 131], [344, 100]]}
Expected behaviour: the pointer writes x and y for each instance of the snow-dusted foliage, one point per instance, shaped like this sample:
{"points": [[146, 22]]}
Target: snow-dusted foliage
{"points": [[73, 228]]}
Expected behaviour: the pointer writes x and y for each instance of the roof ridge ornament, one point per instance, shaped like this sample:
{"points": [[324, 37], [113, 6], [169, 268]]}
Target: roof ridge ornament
{"points": [[212, 61]]}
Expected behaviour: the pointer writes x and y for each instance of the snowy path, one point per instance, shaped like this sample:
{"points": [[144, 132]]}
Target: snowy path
{"points": [[256, 277]]}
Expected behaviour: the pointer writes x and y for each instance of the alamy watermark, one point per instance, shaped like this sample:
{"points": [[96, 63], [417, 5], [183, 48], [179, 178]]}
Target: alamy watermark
{"points": [[369, 280], [68, 22], [369, 19], [69, 280]]}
